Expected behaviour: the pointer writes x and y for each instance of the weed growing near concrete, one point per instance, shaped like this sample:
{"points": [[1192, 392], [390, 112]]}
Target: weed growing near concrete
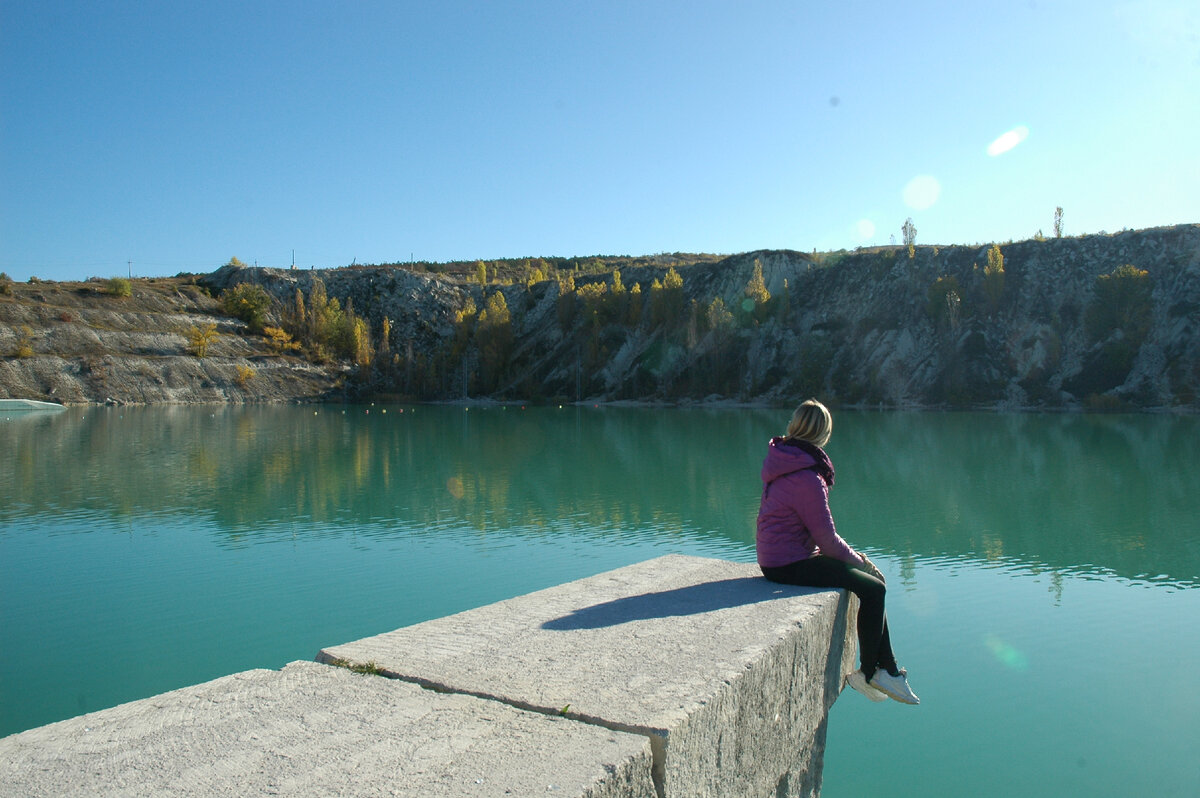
{"points": [[357, 667]]}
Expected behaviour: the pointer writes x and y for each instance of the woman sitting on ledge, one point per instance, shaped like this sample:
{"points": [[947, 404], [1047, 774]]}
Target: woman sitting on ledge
{"points": [[798, 545]]}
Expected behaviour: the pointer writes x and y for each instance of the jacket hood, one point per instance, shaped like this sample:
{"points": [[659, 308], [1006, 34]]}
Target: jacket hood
{"points": [[782, 460]]}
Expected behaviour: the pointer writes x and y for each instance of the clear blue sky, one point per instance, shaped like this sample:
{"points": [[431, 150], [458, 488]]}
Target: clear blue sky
{"points": [[178, 134]]}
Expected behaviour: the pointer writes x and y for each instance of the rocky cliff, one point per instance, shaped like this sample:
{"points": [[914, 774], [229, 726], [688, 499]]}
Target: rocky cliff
{"points": [[79, 343], [1103, 322], [1054, 323]]}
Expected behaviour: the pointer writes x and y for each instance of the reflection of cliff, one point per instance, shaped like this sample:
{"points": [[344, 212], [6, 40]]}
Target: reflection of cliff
{"points": [[1072, 493], [1065, 492], [301, 469]]}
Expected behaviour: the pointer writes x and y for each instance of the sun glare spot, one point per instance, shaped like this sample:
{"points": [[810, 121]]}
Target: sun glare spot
{"points": [[1007, 141], [865, 229], [922, 192], [1007, 654]]}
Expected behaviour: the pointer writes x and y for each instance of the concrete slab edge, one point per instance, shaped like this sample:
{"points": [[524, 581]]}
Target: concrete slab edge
{"points": [[656, 736], [840, 630]]}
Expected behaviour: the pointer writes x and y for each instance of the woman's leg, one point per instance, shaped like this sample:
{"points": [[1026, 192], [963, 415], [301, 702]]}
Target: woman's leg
{"points": [[874, 642]]}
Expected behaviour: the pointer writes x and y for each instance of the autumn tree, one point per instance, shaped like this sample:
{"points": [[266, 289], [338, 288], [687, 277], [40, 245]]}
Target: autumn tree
{"points": [[717, 315], [385, 339], [494, 336], [909, 230], [360, 340], [993, 276], [593, 298], [618, 298], [666, 298], [295, 316], [633, 316], [201, 338], [783, 303], [566, 301], [464, 325], [280, 339], [1058, 222], [756, 293]]}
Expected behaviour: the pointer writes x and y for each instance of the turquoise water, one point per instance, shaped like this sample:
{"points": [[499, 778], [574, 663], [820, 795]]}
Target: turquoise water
{"points": [[1044, 570]]}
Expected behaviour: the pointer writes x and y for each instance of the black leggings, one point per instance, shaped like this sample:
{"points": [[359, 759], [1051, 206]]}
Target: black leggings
{"points": [[874, 643]]}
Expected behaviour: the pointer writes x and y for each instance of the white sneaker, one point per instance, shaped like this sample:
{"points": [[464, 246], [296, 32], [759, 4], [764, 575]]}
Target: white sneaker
{"points": [[858, 681], [896, 687]]}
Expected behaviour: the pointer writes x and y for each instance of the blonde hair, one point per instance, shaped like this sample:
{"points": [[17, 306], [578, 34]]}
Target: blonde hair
{"points": [[811, 422]]}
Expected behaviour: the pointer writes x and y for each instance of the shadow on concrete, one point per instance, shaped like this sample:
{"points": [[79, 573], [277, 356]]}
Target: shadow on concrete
{"points": [[690, 600]]}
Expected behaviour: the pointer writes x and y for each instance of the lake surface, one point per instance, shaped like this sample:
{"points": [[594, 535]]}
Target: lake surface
{"points": [[1044, 570]]}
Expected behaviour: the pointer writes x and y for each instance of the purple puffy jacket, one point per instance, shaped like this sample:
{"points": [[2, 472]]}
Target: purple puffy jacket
{"points": [[794, 522]]}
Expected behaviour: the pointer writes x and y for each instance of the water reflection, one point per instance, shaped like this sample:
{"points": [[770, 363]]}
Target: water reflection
{"points": [[1088, 494], [1100, 494]]}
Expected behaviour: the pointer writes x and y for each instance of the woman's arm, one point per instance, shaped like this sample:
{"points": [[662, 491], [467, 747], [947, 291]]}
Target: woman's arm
{"points": [[812, 504]]}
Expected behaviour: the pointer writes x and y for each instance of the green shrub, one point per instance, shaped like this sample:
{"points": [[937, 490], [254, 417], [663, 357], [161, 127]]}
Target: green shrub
{"points": [[945, 298], [118, 286], [24, 347], [5, 284], [1122, 301], [249, 303]]}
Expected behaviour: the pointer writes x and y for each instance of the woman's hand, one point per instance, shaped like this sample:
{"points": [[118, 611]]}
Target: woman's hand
{"points": [[870, 568]]}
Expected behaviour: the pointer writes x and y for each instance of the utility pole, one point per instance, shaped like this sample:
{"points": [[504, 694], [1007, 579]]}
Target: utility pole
{"points": [[130, 264]]}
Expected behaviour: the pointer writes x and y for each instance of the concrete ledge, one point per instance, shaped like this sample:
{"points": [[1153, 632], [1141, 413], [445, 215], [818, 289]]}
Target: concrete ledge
{"points": [[316, 730], [730, 677], [681, 676]]}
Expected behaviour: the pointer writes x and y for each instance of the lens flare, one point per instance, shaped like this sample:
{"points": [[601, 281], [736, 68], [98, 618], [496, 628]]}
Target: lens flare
{"points": [[865, 229], [1008, 655], [922, 192], [1007, 141]]}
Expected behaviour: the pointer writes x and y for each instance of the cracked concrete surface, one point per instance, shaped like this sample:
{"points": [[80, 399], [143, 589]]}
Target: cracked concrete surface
{"points": [[680, 676]]}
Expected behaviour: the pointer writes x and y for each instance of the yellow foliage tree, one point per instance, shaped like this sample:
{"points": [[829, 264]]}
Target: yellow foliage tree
{"points": [[201, 338], [993, 276], [360, 335], [280, 339], [494, 336]]}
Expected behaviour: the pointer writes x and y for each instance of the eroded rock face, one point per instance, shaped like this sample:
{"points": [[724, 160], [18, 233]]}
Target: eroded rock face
{"points": [[85, 346], [870, 327]]}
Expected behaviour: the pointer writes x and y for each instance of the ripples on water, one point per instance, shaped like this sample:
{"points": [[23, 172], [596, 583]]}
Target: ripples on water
{"points": [[1043, 569]]}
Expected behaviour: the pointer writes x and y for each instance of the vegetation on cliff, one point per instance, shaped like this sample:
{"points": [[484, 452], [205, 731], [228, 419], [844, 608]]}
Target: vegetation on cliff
{"points": [[1095, 321], [1103, 322]]}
